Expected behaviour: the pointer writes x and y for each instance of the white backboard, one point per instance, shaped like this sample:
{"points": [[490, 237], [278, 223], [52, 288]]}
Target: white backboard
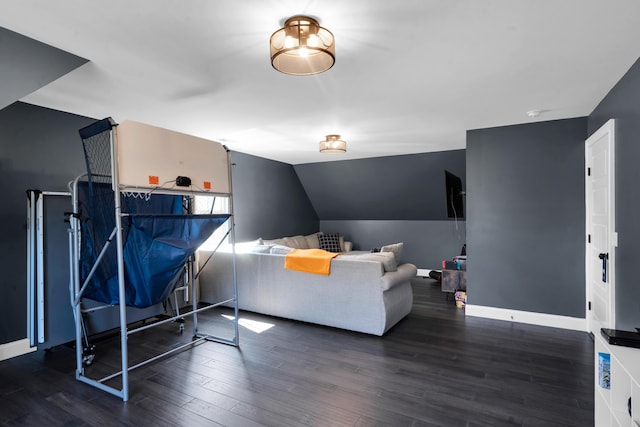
{"points": [[151, 158]]}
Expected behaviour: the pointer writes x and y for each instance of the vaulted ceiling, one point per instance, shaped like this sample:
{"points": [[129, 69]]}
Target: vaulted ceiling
{"points": [[411, 76]]}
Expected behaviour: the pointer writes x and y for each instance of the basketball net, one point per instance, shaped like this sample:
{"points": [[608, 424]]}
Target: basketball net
{"points": [[136, 195]]}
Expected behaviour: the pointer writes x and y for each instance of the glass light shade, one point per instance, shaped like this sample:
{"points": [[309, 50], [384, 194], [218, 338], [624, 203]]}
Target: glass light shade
{"points": [[333, 144], [302, 47]]}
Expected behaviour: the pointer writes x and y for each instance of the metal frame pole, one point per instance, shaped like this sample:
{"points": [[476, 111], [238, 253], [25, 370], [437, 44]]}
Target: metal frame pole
{"points": [[233, 250], [74, 286], [31, 279], [120, 256]]}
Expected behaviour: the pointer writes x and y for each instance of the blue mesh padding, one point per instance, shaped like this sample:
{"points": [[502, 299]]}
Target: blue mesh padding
{"points": [[158, 241], [96, 128], [156, 252]]}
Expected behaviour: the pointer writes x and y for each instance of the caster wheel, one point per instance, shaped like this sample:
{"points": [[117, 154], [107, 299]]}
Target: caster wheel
{"points": [[88, 356], [87, 359]]}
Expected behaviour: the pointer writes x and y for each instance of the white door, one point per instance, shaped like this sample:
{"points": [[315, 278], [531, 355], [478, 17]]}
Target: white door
{"points": [[600, 222]]}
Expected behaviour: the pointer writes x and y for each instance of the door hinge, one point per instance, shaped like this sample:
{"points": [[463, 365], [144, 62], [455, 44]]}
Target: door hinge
{"points": [[589, 305]]}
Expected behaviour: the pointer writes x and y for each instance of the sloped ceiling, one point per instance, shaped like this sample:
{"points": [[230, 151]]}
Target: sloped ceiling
{"points": [[26, 65], [411, 76], [409, 187]]}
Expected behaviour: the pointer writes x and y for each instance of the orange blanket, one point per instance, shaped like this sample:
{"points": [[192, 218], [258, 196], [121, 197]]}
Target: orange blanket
{"points": [[316, 261]]}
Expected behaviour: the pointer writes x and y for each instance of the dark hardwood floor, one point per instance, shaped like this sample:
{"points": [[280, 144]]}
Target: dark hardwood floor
{"points": [[435, 368]]}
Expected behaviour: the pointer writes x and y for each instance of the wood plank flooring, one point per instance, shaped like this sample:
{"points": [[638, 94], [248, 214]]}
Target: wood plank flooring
{"points": [[435, 368]]}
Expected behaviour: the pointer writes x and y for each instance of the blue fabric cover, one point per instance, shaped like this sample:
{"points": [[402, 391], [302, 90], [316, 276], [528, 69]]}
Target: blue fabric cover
{"points": [[157, 245], [156, 252]]}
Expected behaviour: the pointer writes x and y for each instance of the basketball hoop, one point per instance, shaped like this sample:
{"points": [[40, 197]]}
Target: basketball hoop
{"points": [[137, 195]]}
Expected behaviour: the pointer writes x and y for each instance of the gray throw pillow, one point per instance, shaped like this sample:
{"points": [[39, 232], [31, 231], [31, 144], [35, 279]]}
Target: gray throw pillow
{"points": [[312, 241], [396, 249]]}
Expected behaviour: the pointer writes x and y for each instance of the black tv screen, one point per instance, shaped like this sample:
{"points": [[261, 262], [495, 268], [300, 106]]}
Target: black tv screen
{"points": [[453, 186]]}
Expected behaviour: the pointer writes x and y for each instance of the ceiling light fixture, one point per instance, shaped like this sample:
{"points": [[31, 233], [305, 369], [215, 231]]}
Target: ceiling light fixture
{"points": [[333, 144], [302, 47]]}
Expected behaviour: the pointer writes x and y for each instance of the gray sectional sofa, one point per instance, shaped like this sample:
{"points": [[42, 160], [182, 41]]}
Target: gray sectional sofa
{"points": [[363, 292]]}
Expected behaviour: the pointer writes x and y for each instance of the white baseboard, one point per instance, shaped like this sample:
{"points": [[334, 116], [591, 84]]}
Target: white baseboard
{"points": [[15, 348], [540, 319], [424, 272]]}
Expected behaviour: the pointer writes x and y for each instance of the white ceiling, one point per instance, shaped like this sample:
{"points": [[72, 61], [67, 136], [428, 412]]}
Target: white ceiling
{"points": [[411, 76]]}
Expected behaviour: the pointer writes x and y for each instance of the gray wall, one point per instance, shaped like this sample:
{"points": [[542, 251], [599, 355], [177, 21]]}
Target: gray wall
{"points": [[35, 152], [392, 199], [526, 217], [426, 243], [623, 104], [269, 200], [40, 149], [409, 187]]}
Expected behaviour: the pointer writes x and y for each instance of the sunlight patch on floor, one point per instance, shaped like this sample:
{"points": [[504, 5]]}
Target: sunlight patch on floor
{"points": [[252, 325]]}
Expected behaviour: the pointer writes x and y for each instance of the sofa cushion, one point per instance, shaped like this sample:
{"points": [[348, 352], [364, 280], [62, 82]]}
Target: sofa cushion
{"points": [[261, 249], [273, 242], [280, 250], [386, 258], [296, 242], [396, 249], [244, 247], [312, 241], [330, 242]]}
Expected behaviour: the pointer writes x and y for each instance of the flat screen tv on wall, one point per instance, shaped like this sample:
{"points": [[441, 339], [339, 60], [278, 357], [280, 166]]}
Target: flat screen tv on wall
{"points": [[455, 195]]}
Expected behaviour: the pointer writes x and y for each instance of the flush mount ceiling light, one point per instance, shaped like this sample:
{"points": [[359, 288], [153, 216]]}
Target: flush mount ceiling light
{"points": [[302, 47], [333, 144]]}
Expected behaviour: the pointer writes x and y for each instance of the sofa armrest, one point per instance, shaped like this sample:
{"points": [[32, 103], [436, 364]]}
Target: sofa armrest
{"points": [[393, 278]]}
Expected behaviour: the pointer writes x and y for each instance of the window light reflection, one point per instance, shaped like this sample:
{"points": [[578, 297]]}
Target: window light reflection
{"points": [[252, 325]]}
